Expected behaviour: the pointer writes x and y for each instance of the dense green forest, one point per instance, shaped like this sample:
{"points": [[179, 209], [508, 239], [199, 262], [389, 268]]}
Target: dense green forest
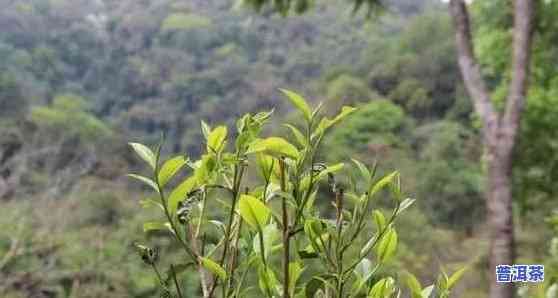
{"points": [[79, 79]]}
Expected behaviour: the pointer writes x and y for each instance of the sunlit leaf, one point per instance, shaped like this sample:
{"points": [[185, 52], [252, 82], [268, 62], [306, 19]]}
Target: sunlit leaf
{"points": [[254, 211], [455, 277], [384, 288], [216, 139], [299, 102], [414, 285], [180, 192], [146, 203], [364, 172], [214, 268], [385, 181], [274, 146], [170, 168], [206, 129], [299, 137], [266, 163], [426, 292], [157, 226], [405, 204], [387, 246], [270, 235], [379, 219], [144, 153], [295, 270], [146, 181]]}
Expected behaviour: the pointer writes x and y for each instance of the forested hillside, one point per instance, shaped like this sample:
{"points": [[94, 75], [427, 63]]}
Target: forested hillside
{"points": [[79, 79]]}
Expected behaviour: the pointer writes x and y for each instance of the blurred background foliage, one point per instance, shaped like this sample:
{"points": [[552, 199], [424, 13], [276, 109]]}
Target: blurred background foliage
{"points": [[78, 79]]}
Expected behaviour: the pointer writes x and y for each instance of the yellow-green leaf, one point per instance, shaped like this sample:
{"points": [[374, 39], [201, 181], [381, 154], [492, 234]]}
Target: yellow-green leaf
{"points": [[145, 153], [384, 288], [345, 111], [456, 276], [299, 102], [387, 246], [180, 192], [379, 219], [364, 172], [145, 180], [298, 135], [214, 268], [295, 270], [414, 285], [382, 183], [156, 226], [274, 146], [253, 211], [216, 139], [326, 123], [266, 163], [170, 168]]}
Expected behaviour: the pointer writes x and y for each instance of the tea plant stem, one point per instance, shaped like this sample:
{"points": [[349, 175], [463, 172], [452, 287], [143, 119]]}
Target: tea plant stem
{"points": [[178, 290], [286, 234], [233, 264], [380, 235], [176, 233], [234, 260], [238, 173], [338, 250], [157, 273], [202, 214]]}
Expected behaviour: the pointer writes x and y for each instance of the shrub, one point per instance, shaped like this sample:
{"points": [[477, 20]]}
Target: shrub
{"points": [[268, 239]]}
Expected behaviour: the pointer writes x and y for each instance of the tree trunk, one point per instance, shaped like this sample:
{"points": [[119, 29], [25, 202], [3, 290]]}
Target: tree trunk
{"points": [[499, 215], [499, 129]]}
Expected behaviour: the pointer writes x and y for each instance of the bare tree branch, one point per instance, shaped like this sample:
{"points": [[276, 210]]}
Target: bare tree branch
{"points": [[470, 70], [523, 24]]}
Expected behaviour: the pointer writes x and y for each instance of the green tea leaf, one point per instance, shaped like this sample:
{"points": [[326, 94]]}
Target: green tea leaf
{"points": [[299, 102], [170, 168], [214, 268], [384, 288], [385, 181], [206, 129], [146, 203], [145, 180], [270, 235], [267, 281], [308, 253], [414, 285], [379, 219], [345, 111], [180, 192], [145, 153], [313, 286], [326, 123], [387, 245], [364, 172], [426, 292], [299, 137], [266, 163], [254, 211], [157, 226], [295, 270], [455, 277], [216, 139], [274, 146], [405, 204]]}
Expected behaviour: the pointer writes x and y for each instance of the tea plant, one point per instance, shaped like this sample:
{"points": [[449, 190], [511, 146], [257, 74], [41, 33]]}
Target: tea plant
{"points": [[270, 239]]}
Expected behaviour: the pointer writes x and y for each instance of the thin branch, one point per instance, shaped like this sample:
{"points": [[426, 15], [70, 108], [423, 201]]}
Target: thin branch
{"points": [[522, 35], [470, 70]]}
